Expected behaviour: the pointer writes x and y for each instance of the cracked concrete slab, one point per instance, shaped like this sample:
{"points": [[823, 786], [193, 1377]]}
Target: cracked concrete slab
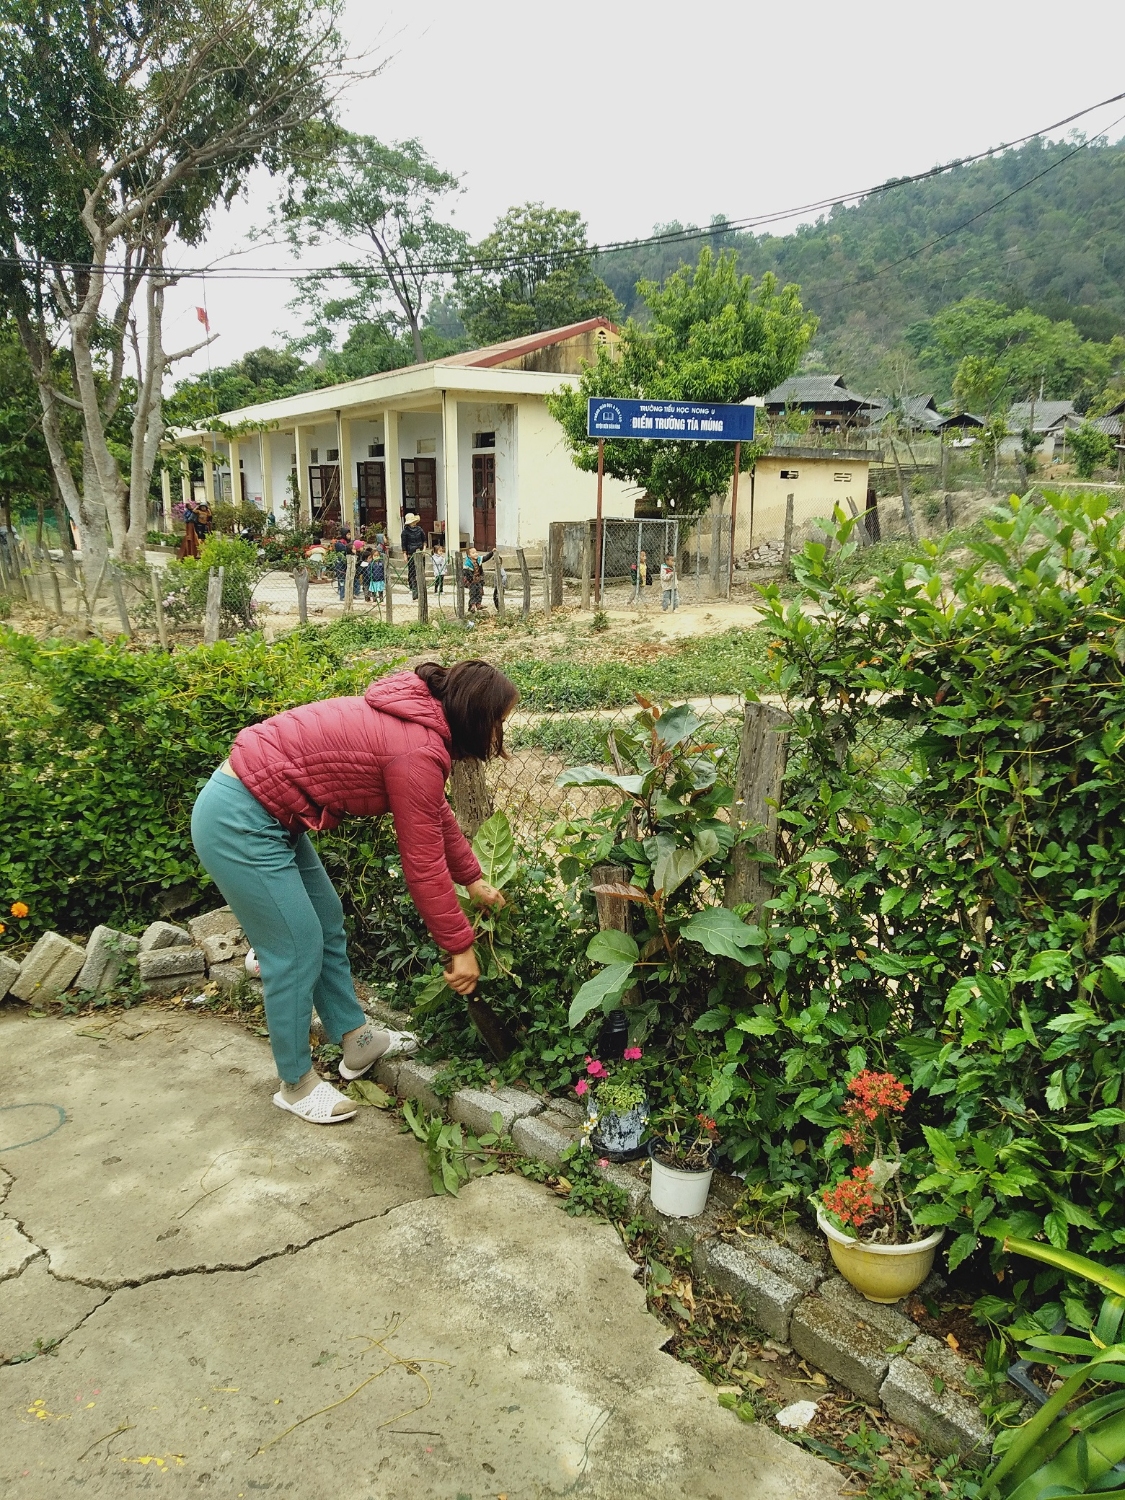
{"points": [[36, 1307], [171, 1155], [480, 1346], [16, 1250]]}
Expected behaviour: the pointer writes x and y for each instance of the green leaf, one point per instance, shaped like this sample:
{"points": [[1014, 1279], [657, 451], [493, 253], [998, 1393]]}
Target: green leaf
{"points": [[757, 1025], [676, 725], [721, 932], [596, 776], [495, 848], [961, 1248], [365, 1092], [674, 867], [944, 1151], [612, 947], [609, 983], [433, 991]]}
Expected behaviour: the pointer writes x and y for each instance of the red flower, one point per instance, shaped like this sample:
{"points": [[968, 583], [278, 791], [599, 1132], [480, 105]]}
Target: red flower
{"points": [[595, 1068], [852, 1200], [580, 1087], [632, 1054]]}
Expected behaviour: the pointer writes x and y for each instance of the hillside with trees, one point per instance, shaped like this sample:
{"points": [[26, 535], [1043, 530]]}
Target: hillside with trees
{"points": [[1040, 228]]}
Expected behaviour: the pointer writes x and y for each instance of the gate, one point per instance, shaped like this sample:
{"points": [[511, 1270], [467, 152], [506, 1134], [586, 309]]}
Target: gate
{"points": [[633, 551]]}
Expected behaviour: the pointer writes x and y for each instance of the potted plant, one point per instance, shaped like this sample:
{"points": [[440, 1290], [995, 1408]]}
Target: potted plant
{"points": [[616, 1107], [683, 1161], [871, 1232]]}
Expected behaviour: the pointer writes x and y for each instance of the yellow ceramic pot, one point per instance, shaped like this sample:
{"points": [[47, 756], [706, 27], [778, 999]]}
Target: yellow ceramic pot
{"points": [[883, 1273]]}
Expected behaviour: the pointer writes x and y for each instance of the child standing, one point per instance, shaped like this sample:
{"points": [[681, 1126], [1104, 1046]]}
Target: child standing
{"points": [[376, 578], [669, 597], [438, 562]]}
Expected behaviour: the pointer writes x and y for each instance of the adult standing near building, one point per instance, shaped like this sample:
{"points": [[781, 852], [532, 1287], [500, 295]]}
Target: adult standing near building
{"points": [[413, 540], [304, 770]]}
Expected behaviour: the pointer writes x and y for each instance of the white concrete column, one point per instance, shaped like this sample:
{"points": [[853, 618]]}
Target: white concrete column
{"points": [[185, 479], [394, 475], [302, 447], [451, 469], [209, 471], [235, 473], [265, 458], [347, 470], [166, 500]]}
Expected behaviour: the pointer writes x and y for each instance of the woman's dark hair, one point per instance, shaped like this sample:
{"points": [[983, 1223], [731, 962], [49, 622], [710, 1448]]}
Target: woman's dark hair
{"points": [[475, 697]]}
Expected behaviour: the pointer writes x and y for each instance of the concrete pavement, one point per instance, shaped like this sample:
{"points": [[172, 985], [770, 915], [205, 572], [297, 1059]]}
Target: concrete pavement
{"points": [[246, 1304]]}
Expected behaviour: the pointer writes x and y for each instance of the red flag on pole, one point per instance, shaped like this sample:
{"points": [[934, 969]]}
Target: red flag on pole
{"points": [[201, 314]]}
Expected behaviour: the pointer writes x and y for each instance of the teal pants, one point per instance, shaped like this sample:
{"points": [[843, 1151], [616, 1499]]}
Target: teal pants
{"points": [[280, 892]]}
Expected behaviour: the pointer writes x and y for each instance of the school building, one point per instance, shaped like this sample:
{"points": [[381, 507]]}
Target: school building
{"points": [[467, 442]]}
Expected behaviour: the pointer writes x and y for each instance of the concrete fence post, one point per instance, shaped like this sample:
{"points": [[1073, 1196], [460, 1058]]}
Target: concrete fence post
{"points": [[762, 756]]}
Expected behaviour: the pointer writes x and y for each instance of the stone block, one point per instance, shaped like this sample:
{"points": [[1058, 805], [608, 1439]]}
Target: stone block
{"points": [[163, 935], [926, 1390], [570, 1108], [49, 968], [694, 1235], [386, 1074], [167, 971], [562, 1123], [106, 953], [782, 1262], [849, 1338], [768, 1298], [523, 1104], [9, 973], [474, 1109], [416, 1081], [229, 976], [213, 924], [223, 947], [631, 1183], [537, 1138]]}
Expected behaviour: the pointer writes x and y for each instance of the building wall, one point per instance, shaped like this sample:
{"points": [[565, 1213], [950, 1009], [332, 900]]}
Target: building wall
{"points": [[820, 485], [567, 357], [550, 487]]}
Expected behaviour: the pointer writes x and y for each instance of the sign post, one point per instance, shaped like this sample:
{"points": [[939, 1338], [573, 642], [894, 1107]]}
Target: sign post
{"points": [[733, 512], [598, 528]]}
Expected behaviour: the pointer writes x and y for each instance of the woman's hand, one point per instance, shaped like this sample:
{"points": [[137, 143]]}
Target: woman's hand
{"points": [[484, 894], [463, 971]]}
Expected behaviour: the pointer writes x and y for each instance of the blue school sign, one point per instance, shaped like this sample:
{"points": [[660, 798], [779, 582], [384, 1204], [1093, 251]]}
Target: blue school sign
{"points": [[683, 421]]}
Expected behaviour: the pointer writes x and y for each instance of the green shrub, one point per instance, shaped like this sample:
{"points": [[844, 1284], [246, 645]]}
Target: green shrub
{"points": [[1090, 448]]}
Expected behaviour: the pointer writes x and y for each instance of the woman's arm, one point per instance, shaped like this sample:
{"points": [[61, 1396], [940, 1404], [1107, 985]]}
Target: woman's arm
{"points": [[415, 786]]}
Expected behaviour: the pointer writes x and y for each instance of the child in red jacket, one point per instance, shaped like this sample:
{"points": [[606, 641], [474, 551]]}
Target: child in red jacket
{"points": [[306, 769]]}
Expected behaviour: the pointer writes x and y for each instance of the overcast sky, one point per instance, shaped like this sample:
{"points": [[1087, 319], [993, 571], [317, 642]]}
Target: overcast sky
{"points": [[641, 113]]}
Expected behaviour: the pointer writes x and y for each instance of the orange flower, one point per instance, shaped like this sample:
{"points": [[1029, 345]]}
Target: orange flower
{"points": [[3, 929], [19, 908]]}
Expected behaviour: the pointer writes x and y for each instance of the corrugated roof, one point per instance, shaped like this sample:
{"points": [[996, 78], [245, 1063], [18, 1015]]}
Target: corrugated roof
{"points": [[1046, 415], [498, 354], [813, 390]]}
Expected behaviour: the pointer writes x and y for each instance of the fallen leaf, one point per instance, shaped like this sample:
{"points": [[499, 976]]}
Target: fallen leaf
{"points": [[819, 1378], [365, 1092], [952, 1342]]}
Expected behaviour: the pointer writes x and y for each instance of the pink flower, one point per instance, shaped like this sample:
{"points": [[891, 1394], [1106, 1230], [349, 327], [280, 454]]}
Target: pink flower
{"points": [[580, 1087], [595, 1068], [603, 1161], [631, 1054]]}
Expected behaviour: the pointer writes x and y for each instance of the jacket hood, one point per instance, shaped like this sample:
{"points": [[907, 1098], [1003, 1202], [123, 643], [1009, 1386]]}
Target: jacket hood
{"points": [[404, 695]]}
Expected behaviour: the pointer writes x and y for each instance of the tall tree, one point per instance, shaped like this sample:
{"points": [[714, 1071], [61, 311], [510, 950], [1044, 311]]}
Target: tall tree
{"points": [[382, 203], [121, 128], [711, 336], [533, 272]]}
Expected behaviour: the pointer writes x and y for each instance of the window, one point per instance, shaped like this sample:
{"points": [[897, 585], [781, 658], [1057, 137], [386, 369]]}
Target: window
{"points": [[484, 440], [842, 478], [376, 450], [333, 456], [293, 460], [314, 455], [790, 474], [427, 445]]}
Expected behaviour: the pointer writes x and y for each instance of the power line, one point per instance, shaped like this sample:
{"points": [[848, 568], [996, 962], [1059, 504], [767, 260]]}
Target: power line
{"points": [[667, 237]]}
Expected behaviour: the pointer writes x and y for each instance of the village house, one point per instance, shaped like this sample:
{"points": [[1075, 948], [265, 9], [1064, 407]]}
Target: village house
{"points": [[467, 442]]}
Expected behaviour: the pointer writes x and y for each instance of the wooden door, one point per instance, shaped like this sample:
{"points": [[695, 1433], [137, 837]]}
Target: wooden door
{"points": [[371, 494], [419, 491], [324, 491], [484, 501]]}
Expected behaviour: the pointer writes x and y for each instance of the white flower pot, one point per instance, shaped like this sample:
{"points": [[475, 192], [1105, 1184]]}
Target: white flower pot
{"points": [[679, 1194]]}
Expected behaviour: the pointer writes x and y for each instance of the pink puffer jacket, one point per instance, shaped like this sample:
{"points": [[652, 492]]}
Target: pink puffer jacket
{"points": [[361, 757]]}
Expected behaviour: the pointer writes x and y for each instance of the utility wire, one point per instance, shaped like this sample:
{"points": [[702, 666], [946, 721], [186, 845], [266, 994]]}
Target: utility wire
{"points": [[668, 237]]}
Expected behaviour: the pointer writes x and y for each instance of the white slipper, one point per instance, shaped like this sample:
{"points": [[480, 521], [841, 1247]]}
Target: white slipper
{"points": [[403, 1044], [253, 968], [317, 1107]]}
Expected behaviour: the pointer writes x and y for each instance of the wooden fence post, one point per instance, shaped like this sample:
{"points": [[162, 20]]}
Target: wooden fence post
{"points": [[119, 600], [301, 579], [525, 573], [498, 564], [458, 585], [389, 588], [349, 581], [787, 546], [613, 911], [947, 501], [211, 616], [757, 794], [55, 590], [158, 606], [554, 563], [585, 555]]}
